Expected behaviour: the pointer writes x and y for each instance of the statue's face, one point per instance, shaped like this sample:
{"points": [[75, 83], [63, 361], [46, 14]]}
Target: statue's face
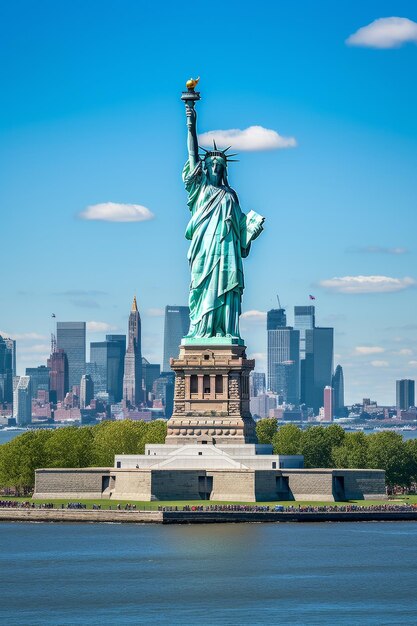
{"points": [[215, 169]]}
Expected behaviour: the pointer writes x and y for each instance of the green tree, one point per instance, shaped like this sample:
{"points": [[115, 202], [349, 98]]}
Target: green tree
{"points": [[155, 432], [388, 451], [110, 438], [316, 446], [266, 429], [335, 435], [287, 439], [411, 446], [70, 447], [353, 453], [20, 457]]}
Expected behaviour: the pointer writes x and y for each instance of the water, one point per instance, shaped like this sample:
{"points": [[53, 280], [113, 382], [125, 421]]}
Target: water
{"points": [[8, 435], [110, 574]]}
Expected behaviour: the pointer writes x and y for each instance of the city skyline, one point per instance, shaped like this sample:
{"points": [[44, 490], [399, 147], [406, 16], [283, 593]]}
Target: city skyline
{"points": [[337, 193]]}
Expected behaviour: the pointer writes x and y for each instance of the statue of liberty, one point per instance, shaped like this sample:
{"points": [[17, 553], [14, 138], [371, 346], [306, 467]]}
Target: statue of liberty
{"points": [[220, 235]]}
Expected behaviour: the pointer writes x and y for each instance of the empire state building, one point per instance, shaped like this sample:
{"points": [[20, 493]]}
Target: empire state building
{"points": [[132, 380]]}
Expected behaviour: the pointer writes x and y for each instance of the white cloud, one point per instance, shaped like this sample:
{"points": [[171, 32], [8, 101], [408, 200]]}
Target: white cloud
{"points": [[367, 284], [369, 349], [413, 363], [405, 351], [379, 363], [99, 327], [155, 312], [386, 32], [23, 336], [254, 316], [378, 250], [250, 139], [115, 212], [258, 356]]}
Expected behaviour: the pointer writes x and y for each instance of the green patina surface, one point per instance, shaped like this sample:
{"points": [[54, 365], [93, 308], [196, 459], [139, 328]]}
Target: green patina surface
{"points": [[220, 237]]}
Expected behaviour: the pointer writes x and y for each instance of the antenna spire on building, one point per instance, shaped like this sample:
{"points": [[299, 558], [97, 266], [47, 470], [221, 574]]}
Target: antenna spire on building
{"points": [[134, 304]]}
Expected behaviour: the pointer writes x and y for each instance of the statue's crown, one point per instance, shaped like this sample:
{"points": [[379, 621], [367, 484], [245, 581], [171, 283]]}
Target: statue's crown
{"points": [[218, 153]]}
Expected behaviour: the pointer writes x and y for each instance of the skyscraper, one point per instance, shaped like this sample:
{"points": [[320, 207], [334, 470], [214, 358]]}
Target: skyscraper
{"points": [[257, 384], [116, 365], [97, 367], [86, 390], [338, 391], [58, 374], [276, 318], [150, 372], [283, 347], [177, 324], [318, 365], [40, 378], [163, 390], [6, 372], [405, 394], [328, 403], [132, 380], [71, 339], [304, 319], [22, 401], [11, 344], [106, 366], [287, 381]]}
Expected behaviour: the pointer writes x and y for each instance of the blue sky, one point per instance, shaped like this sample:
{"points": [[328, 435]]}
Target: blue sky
{"points": [[90, 114]]}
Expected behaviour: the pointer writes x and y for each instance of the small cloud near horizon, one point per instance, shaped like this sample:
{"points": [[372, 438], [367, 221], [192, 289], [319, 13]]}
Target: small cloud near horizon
{"points": [[379, 363], [385, 33], [369, 349], [99, 327], [23, 336], [251, 139], [378, 250], [366, 284], [116, 212], [254, 316]]}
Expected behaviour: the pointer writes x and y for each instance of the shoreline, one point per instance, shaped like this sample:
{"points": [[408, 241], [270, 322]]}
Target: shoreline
{"points": [[197, 517]]}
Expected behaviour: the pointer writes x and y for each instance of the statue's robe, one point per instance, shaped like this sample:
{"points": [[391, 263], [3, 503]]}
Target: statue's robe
{"points": [[219, 240]]}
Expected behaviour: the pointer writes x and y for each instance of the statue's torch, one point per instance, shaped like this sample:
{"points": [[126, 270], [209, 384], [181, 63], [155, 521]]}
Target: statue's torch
{"points": [[190, 96]]}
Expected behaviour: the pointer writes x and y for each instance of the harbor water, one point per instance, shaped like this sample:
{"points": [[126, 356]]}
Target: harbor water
{"points": [[334, 573]]}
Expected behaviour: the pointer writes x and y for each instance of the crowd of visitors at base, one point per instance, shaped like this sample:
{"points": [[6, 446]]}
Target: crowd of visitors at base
{"points": [[245, 508], [300, 508]]}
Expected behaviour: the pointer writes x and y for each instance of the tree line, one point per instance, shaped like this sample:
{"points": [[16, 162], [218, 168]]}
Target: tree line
{"points": [[331, 446], [88, 446], [96, 446]]}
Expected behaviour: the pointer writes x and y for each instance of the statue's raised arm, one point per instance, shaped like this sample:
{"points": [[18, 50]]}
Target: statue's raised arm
{"points": [[190, 97]]}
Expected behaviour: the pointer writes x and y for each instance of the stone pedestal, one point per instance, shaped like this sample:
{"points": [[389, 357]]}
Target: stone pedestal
{"points": [[211, 398]]}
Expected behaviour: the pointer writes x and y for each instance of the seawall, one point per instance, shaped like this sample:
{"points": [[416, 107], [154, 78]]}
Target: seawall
{"points": [[79, 515], [197, 517]]}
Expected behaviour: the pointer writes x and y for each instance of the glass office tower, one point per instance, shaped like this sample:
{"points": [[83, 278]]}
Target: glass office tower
{"points": [[116, 365], [284, 348], [177, 324], [318, 365], [405, 394], [304, 319], [40, 377], [70, 337]]}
